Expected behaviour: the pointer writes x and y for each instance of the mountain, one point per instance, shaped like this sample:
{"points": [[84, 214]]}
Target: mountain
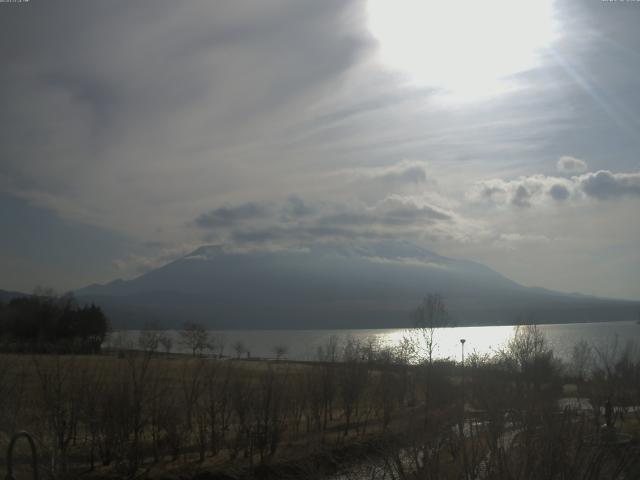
{"points": [[7, 295], [357, 287]]}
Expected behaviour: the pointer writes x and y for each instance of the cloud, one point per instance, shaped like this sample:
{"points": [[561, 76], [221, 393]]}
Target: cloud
{"points": [[296, 222], [144, 118], [520, 238], [521, 197], [295, 207], [538, 189], [229, 216], [187, 105], [401, 173], [287, 237], [514, 241], [370, 182], [559, 192], [154, 255], [393, 211], [523, 192], [397, 208], [605, 185], [567, 164], [491, 190]]}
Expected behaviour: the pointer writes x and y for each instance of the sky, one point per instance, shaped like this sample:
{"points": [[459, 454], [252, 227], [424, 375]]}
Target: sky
{"points": [[503, 132]]}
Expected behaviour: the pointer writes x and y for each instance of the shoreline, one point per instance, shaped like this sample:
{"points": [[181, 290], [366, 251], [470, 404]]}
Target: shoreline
{"points": [[472, 325]]}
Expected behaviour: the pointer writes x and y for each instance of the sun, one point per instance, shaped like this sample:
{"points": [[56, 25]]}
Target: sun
{"points": [[468, 49]]}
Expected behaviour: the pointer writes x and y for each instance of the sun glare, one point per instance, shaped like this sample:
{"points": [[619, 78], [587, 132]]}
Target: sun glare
{"points": [[469, 49]]}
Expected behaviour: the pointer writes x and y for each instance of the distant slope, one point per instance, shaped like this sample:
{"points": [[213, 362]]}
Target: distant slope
{"points": [[7, 295], [371, 287]]}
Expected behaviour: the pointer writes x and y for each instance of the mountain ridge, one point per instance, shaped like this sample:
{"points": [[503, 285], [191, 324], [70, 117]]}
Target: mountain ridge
{"points": [[371, 286]]}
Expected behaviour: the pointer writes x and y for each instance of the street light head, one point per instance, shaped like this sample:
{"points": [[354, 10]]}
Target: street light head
{"points": [[462, 340]]}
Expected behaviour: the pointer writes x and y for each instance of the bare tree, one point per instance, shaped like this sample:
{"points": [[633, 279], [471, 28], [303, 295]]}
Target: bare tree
{"points": [[217, 402], [329, 351], [158, 404], [581, 360], [59, 404], [139, 376], [194, 337], [527, 345], [353, 381], [581, 364], [12, 386], [193, 385], [269, 413], [166, 342], [430, 315], [387, 392], [239, 348], [280, 351], [217, 344], [149, 338]]}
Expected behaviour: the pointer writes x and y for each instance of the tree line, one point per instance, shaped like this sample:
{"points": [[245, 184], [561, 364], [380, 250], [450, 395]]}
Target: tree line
{"points": [[45, 322]]}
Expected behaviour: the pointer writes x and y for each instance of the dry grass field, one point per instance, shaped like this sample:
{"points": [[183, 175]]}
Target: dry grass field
{"points": [[364, 413]]}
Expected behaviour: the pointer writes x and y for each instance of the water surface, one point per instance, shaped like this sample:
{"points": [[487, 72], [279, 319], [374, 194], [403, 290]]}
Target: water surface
{"points": [[303, 344]]}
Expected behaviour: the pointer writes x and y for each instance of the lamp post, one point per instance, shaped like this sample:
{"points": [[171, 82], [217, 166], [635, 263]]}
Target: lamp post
{"points": [[462, 340], [462, 419]]}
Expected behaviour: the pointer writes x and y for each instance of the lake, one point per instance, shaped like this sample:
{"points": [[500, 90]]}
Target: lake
{"points": [[303, 344]]}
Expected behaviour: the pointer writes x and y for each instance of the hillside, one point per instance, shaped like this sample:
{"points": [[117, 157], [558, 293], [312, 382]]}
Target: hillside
{"points": [[373, 287]]}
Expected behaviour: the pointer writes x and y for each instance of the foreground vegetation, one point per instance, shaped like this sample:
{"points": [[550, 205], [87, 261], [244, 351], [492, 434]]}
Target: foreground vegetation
{"points": [[366, 411]]}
